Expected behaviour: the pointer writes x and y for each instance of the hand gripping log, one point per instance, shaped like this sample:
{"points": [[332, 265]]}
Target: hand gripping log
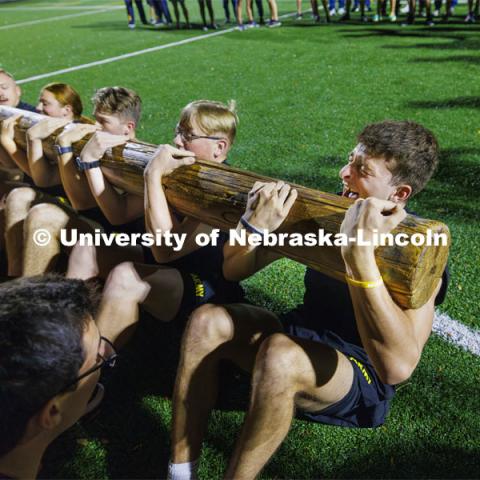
{"points": [[217, 194]]}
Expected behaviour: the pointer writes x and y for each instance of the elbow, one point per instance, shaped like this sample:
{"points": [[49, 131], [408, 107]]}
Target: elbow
{"points": [[395, 374]]}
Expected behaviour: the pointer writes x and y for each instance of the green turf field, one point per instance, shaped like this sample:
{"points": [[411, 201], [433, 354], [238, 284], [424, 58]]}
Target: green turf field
{"points": [[303, 92]]}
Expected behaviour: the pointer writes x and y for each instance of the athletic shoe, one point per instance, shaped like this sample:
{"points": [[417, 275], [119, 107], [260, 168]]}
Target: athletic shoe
{"points": [[213, 26], [253, 25], [405, 9], [355, 9], [131, 26], [341, 11], [429, 23], [376, 18], [392, 18], [436, 12], [241, 28], [452, 10], [153, 21], [158, 24], [344, 17], [316, 18], [298, 16], [205, 28], [332, 12], [470, 18], [274, 23], [364, 19]]}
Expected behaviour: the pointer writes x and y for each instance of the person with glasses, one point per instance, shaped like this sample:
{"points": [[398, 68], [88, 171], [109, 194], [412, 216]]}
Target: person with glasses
{"points": [[51, 355], [190, 276]]}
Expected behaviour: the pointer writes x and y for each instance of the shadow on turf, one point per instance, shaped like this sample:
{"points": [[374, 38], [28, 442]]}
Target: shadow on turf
{"points": [[460, 102], [469, 59]]}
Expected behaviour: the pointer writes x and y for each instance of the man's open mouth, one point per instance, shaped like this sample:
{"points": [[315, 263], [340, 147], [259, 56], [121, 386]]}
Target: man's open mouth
{"points": [[349, 193]]}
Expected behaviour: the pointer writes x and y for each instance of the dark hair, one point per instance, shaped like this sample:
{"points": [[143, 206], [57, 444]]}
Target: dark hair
{"points": [[118, 101], [42, 321], [409, 149]]}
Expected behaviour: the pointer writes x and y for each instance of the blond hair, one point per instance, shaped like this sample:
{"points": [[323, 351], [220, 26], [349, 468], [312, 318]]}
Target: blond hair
{"points": [[118, 101], [211, 117], [8, 74]]}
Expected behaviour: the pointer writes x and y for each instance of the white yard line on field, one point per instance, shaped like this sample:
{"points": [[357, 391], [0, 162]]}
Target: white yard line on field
{"points": [[131, 54], [457, 333], [52, 19]]}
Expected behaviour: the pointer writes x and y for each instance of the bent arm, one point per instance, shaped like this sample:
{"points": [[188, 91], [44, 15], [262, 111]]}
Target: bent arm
{"points": [[44, 174], [392, 337]]}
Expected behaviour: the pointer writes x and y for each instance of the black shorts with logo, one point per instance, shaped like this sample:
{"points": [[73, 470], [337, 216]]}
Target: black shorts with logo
{"points": [[368, 401]]}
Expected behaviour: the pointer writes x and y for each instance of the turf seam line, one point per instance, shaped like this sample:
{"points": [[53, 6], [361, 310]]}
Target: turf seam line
{"points": [[456, 332], [53, 19], [134, 54], [47, 9]]}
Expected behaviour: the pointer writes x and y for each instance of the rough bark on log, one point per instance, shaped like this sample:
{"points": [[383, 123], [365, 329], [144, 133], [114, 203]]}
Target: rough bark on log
{"points": [[216, 194]]}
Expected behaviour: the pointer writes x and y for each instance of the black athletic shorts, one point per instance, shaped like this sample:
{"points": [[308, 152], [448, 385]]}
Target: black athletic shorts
{"points": [[199, 290], [368, 401]]}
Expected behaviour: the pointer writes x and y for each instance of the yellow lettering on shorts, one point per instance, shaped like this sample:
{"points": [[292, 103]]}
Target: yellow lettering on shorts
{"points": [[362, 369], [199, 287]]}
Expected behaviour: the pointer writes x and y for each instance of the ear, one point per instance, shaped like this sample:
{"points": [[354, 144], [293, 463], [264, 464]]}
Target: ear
{"points": [[68, 110], [130, 127], [222, 148], [50, 416], [19, 91], [402, 194]]}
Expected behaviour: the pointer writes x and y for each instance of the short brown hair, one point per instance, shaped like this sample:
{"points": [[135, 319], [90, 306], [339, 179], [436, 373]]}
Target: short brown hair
{"points": [[409, 149], [66, 95], [212, 117], [118, 101]]}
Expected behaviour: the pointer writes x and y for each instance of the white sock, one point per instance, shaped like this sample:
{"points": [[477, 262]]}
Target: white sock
{"points": [[182, 471]]}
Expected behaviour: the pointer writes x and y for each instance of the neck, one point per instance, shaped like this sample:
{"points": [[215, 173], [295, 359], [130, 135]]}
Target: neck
{"points": [[23, 461]]}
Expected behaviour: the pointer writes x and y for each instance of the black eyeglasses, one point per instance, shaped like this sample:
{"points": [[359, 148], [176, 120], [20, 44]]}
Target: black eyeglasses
{"points": [[189, 137], [107, 357]]}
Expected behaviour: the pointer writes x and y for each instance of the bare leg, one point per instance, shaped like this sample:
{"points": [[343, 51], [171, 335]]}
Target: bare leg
{"points": [[17, 205], [162, 296], [213, 333], [239, 12], [82, 263], [176, 12], [327, 12], [38, 259], [250, 10], [288, 372], [273, 9]]}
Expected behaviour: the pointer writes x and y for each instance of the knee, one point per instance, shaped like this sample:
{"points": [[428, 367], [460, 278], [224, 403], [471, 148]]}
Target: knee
{"points": [[209, 324], [46, 216], [277, 359], [124, 282], [19, 199]]}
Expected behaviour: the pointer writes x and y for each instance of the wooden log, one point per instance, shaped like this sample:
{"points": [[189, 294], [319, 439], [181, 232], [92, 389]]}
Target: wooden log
{"points": [[216, 194]]}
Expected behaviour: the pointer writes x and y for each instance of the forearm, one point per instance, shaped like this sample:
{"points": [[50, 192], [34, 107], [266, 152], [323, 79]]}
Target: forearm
{"points": [[157, 210], [386, 332], [18, 158], [43, 173], [112, 204], [75, 183]]}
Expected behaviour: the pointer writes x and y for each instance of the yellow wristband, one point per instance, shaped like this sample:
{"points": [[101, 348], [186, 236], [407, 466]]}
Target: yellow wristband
{"points": [[362, 284]]}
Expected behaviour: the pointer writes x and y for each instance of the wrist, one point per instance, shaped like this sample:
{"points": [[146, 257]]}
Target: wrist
{"points": [[250, 227], [362, 267]]}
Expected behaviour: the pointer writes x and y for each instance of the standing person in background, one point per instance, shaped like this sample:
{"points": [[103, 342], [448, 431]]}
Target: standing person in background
{"points": [[472, 15], [177, 13], [212, 24], [316, 15], [381, 7], [273, 22], [412, 5], [333, 11], [131, 15], [227, 10]]}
